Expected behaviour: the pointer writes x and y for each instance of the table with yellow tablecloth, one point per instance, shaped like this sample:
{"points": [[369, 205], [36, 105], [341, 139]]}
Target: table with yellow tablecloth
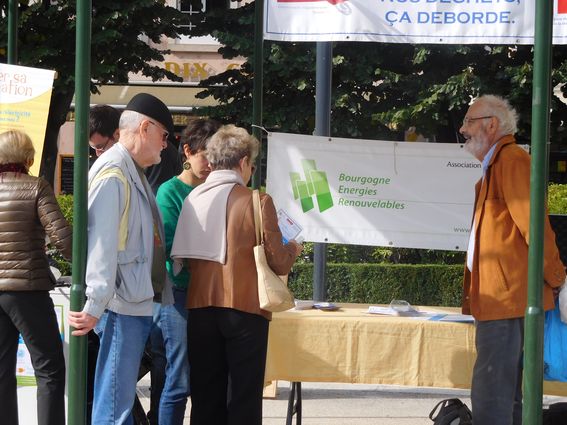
{"points": [[352, 346]]}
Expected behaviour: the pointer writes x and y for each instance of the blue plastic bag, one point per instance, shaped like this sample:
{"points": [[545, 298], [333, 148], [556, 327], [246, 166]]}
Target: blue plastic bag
{"points": [[554, 347]]}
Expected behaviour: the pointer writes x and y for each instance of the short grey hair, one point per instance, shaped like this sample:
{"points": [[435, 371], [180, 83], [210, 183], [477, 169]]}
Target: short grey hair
{"points": [[500, 108], [16, 147], [229, 145]]}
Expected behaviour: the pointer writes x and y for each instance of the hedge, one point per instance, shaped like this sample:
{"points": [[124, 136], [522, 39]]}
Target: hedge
{"points": [[430, 284], [557, 198]]}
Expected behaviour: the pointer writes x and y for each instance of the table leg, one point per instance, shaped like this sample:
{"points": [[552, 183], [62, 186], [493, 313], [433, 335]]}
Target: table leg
{"points": [[294, 404]]}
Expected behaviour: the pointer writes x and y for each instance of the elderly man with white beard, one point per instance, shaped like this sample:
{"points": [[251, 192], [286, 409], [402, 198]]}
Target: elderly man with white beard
{"points": [[496, 272]]}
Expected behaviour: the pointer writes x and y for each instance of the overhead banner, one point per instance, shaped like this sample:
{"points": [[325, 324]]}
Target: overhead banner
{"points": [[409, 21], [25, 95], [369, 192]]}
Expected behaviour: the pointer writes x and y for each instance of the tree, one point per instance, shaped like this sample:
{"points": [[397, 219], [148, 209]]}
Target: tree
{"points": [[125, 35], [379, 89]]}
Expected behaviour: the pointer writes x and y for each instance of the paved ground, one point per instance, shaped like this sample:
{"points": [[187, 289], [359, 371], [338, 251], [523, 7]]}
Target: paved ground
{"points": [[353, 404], [330, 404]]}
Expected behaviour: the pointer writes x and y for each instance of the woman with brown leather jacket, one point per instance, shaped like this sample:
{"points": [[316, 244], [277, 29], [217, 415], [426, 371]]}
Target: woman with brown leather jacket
{"points": [[29, 211], [227, 330]]}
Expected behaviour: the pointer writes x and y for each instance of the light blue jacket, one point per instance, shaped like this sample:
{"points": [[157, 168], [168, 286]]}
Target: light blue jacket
{"points": [[120, 279]]}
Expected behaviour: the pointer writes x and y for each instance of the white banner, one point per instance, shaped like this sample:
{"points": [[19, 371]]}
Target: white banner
{"points": [[409, 21], [371, 192]]}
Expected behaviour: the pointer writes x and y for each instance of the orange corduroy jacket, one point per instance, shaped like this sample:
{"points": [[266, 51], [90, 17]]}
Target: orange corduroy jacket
{"points": [[496, 288]]}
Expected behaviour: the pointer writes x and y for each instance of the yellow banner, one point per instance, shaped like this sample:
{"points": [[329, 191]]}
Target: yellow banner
{"points": [[25, 94]]}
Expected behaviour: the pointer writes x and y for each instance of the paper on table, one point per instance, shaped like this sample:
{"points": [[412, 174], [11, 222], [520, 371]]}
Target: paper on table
{"points": [[374, 309], [303, 304], [388, 311], [467, 318], [288, 226]]}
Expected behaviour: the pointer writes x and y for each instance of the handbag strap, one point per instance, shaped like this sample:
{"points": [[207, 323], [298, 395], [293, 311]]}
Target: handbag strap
{"points": [[443, 404], [434, 413], [257, 217]]}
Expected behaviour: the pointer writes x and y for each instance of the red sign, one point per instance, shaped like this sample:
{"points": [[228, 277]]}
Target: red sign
{"points": [[329, 1], [561, 6]]}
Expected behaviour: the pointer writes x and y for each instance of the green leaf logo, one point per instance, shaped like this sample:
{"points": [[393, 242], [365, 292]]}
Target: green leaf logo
{"points": [[314, 183]]}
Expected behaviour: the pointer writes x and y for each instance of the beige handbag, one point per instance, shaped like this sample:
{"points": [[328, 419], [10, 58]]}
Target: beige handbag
{"points": [[273, 293]]}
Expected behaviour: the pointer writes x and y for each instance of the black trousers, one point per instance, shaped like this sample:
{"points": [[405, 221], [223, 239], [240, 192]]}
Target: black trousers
{"points": [[31, 313], [227, 354], [496, 391]]}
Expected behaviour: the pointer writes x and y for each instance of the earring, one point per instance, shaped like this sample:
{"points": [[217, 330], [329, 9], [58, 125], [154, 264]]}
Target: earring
{"points": [[186, 165]]}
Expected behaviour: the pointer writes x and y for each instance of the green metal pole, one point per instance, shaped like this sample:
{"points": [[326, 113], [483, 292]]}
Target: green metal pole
{"points": [[533, 344], [323, 91], [258, 84], [12, 32], [78, 345]]}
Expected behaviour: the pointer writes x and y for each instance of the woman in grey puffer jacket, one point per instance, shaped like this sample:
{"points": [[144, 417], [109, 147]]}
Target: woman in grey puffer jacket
{"points": [[29, 210]]}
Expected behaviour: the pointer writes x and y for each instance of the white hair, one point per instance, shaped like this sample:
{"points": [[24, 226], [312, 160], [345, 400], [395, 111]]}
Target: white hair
{"points": [[130, 120], [500, 108]]}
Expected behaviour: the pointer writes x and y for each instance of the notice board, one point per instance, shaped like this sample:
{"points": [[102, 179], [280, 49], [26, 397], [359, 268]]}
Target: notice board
{"points": [[65, 177]]}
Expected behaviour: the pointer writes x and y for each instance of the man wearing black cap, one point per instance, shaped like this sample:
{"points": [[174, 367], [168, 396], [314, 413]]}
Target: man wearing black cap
{"points": [[104, 132], [126, 257]]}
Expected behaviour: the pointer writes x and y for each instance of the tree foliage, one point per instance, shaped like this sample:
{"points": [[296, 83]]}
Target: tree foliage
{"points": [[379, 89], [125, 35]]}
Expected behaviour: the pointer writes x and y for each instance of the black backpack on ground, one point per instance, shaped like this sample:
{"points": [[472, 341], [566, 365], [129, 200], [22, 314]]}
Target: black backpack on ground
{"points": [[451, 412], [555, 414]]}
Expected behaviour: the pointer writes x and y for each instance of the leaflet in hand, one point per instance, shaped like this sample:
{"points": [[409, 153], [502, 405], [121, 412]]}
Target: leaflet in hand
{"points": [[288, 226]]}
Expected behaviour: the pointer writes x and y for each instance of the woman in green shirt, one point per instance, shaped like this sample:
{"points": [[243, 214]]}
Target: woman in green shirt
{"points": [[169, 350]]}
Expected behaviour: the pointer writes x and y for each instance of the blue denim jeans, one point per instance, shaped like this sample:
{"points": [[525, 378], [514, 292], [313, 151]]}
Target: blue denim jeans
{"points": [[122, 342], [172, 321]]}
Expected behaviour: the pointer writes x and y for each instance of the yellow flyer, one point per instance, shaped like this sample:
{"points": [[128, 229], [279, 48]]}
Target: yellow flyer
{"points": [[25, 94]]}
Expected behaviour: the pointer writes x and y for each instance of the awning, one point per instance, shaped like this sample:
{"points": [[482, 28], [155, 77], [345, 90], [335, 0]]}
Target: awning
{"points": [[179, 98]]}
